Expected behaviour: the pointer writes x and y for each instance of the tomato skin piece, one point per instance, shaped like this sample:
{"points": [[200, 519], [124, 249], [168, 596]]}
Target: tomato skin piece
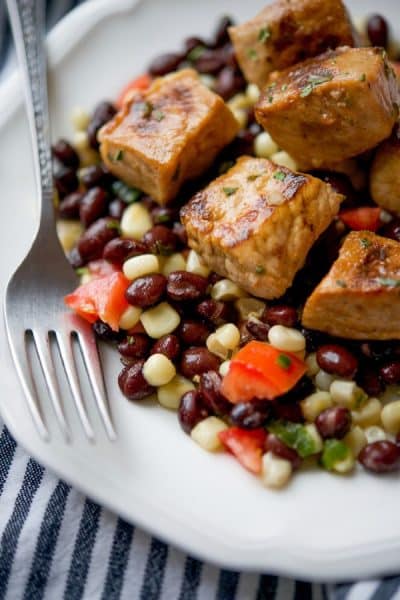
{"points": [[141, 83], [247, 446], [102, 298], [261, 371], [365, 218]]}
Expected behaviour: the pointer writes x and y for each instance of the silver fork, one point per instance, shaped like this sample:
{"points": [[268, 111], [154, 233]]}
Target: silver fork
{"points": [[34, 308]]}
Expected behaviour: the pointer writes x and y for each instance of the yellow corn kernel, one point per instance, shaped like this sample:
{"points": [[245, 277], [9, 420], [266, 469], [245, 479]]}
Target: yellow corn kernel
{"points": [[136, 221], [355, 439], [160, 320], [315, 404], [390, 416], [286, 339], [170, 394], [369, 414], [130, 317], [206, 433], [276, 471]]}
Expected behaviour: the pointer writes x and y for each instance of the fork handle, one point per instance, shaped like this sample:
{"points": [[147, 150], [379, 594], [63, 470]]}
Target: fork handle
{"points": [[27, 18]]}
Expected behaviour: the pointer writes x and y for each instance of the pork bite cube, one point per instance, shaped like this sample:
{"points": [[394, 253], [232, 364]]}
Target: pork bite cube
{"points": [[384, 181], [360, 296], [332, 107], [288, 31], [256, 223], [167, 135]]}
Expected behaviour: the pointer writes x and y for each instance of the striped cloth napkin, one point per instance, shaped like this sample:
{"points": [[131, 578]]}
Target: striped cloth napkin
{"points": [[57, 544]]}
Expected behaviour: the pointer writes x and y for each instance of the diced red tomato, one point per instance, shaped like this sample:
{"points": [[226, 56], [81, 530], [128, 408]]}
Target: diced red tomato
{"points": [[246, 446], [102, 268], [140, 83], [365, 218], [102, 298], [259, 370]]}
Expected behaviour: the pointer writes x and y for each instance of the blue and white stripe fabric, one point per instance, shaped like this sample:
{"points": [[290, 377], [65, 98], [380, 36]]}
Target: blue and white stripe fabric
{"points": [[56, 544]]}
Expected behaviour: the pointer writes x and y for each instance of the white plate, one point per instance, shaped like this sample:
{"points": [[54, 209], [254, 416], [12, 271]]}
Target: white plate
{"points": [[322, 527]]}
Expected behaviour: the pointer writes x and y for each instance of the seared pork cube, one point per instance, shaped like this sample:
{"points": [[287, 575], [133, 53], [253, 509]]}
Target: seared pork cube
{"points": [[333, 107], [385, 175], [360, 296], [288, 31], [256, 223], [167, 135]]}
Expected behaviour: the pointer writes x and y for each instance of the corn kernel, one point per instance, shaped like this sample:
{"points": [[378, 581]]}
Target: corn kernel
{"points": [[206, 433], [170, 394], [312, 365], [175, 262], [224, 368], [136, 221], [286, 339], [369, 413], [196, 265], [390, 416], [137, 266], [239, 101], [79, 118], [208, 80], [323, 380], [283, 159], [253, 93], [276, 471], [81, 141], [226, 290], [224, 340], [158, 370], [130, 317], [355, 439], [347, 393], [374, 434], [264, 145], [160, 320], [247, 307], [313, 432], [314, 404], [346, 465], [241, 117], [68, 233]]}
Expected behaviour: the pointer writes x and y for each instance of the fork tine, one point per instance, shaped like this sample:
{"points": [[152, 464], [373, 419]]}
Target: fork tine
{"points": [[18, 348], [42, 344], [90, 354], [65, 346]]}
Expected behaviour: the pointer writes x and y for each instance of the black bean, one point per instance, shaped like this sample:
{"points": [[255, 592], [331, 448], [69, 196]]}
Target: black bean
{"points": [[380, 457], [390, 372], [103, 113], [104, 332], [313, 339], [135, 346], [191, 410], [339, 182], [288, 411], [250, 415], [258, 329], [210, 388], [180, 231], [210, 62], [278, 448], [280, 314], [116, 208], [65, 179], [378, 31], [75, 259], [146, 291], [92, 242], [334, 422], [214, 311], [370, 382], [118, 250], [164, 64], [132, 383], [301, 390], [193, 333], [93, 176], [191, 43], [391, 230], [337, 360], [198, 360], [229, 83], [245, 335], [161, 240], [69, 206], [66, 154], [93, 205], [168, 345], [163, 214], [184, 286], [221, 35]]}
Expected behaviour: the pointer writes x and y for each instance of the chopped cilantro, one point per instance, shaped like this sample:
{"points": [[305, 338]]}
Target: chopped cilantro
{"points": [[119, 155], [145, 108], [365, 243], [270, 99], [113, 225], [82, 271], [264, 34], [260, 269], [229, 191], [158, 115], [363, 77], [284, 361], [284, 87], [253, 177], [389, 282], [279, 175], [125, 193], [251, 53], [196, 53], [313, 81], [225, 166], [341, 283]]}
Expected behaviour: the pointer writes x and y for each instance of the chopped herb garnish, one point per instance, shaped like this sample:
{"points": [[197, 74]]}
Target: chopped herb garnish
{"points": [[119, 155], [284, 87], [341, 283], [389, 282], [313, 81], [195, 54], [251, 53], [163, 249], [264, 34], [229, 191], [130, 339], [260, 270], [279, 175], [363, 77], [145, 108], [82, 271], [253, 177], [270, 99], [158, 115], [113, 225], [225, 166], [365, 243], [284, 361], [125, 193], [175, 176]]}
